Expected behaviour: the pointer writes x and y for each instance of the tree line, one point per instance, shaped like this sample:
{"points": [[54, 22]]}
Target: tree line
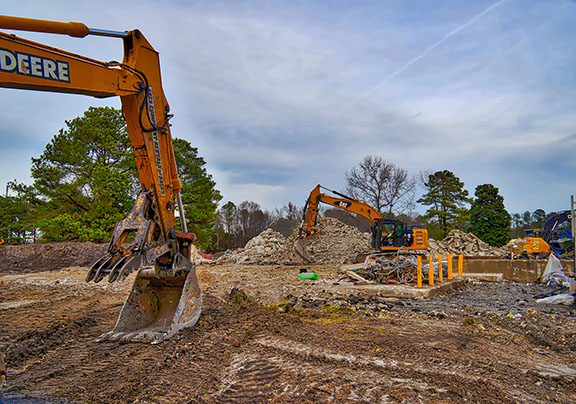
{"points": [[392, 191], [86, 180]]}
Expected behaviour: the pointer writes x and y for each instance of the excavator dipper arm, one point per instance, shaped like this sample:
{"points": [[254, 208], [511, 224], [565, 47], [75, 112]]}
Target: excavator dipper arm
{"points": [[312, 207], [165, 296]]}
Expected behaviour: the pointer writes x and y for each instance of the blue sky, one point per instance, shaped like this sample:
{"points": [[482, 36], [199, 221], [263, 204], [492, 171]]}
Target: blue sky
{"points": [[279, 96]]}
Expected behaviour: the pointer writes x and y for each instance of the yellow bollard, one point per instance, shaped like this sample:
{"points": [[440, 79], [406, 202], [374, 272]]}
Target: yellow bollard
{"points": [[430, 271], [449, 267], [440, 271], [419, 271], [460, 265]]}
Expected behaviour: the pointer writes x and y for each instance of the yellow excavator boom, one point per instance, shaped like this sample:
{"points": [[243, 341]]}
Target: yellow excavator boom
{"points": [[165, 296]]}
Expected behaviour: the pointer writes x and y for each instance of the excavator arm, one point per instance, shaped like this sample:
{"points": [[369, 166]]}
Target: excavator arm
{"points": [[307, 228], [165, 296], [343, 202]]}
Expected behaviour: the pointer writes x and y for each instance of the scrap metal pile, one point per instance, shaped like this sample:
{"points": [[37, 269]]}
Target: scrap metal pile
{"points": [[389, 269]]}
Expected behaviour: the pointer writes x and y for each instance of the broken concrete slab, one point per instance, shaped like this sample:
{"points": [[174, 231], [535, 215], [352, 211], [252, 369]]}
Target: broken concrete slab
{"points": [[398, 290]]}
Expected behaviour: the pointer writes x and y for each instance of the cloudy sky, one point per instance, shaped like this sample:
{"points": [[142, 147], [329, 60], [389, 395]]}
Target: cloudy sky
{"points": [[279, 96]]}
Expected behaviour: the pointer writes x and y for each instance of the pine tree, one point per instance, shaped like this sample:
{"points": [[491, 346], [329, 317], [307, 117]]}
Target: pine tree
{"points": [[86, 177], [489, 219], [199, 196], [447, 198]]}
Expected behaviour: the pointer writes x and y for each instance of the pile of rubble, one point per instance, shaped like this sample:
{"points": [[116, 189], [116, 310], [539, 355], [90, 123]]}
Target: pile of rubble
{"points": [[258, 250], [338, 243], [458, 242], [335, 242]]}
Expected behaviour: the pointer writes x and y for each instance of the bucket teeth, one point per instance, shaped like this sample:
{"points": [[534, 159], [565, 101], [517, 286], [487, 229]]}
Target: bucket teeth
{"points": [[99, 270], [116, 267], [94, 268]]}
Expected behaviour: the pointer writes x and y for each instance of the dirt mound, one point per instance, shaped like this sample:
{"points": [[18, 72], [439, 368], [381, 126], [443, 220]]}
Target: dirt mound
{"points": [[49, 256], [458, 242]]}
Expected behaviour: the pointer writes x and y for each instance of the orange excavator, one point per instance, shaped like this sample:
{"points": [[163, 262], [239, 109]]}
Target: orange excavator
{"points": [[165, 296], [388, 236]]}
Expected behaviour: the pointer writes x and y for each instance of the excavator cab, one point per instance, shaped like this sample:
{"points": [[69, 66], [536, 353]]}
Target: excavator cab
{"points": [[390, 233]]}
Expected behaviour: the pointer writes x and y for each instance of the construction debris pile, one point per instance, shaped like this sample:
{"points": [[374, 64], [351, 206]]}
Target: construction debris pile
{"points": [[258, 250], [457, 242], [338, 243], [335, 242]]}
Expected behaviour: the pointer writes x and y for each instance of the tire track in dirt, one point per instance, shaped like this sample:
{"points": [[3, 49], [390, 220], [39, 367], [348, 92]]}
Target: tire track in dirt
{"points": [[248, 377], [294, 371]]}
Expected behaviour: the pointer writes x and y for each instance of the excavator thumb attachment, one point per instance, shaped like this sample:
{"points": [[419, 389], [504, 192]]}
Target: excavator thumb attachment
{"points": [[158, 307], [300, 249]]}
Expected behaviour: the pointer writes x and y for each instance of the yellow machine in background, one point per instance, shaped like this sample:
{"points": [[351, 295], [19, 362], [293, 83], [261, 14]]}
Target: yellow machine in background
{"points": [[529, 247], [388, 235], [535, 245], [165, 296]]}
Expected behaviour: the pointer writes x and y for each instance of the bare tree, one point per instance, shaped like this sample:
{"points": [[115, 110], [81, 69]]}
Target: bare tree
{"points": [[252, 220], [399, 193], [290, 212], [287, 218], [382, 184]]}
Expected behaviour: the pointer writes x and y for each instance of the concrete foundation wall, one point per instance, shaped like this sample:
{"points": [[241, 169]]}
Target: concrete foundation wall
{"points": [[513, 270]]}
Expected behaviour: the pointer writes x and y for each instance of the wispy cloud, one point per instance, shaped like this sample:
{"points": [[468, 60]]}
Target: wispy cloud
{"points": [[420, 56]]}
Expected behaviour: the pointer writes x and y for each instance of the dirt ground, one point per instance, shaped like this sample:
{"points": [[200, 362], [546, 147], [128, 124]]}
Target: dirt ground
{"points": [[267, 336]]}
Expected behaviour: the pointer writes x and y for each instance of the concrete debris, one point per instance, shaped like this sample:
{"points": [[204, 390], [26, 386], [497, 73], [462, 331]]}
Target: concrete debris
{"points": [[258, 250], [334, 243], [458, 242], [195, 256], [338, 243]]}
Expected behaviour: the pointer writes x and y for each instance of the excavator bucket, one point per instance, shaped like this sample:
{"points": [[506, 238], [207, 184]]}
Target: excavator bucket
{"points": [[300, 248], [158, 307]]}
